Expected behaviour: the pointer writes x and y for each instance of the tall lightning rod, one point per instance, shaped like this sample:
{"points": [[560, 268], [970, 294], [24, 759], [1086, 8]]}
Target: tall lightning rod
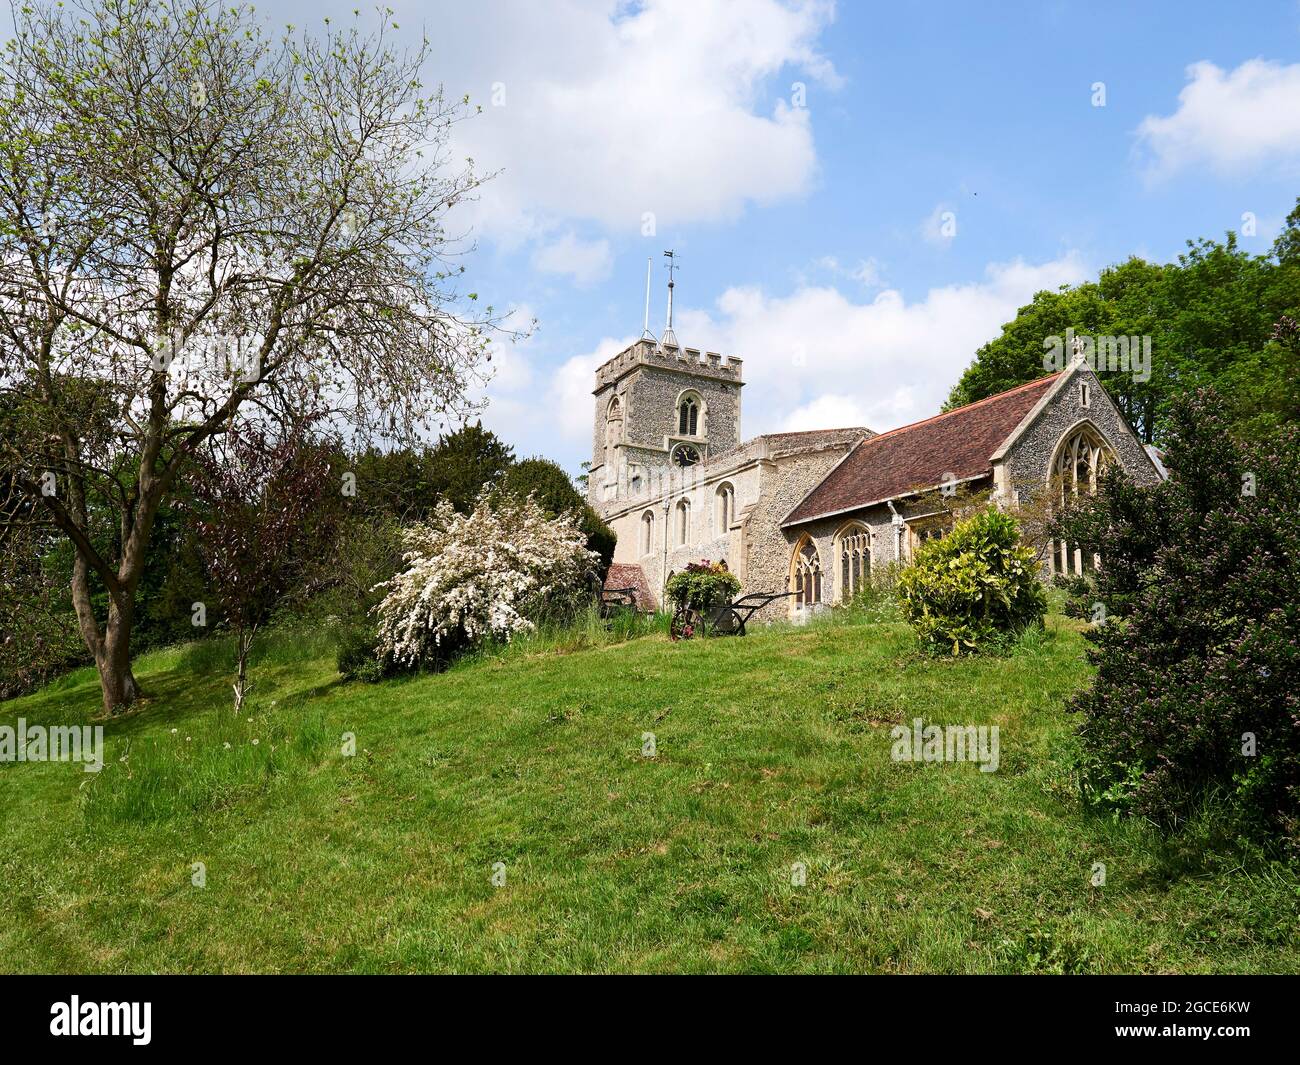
{"points": [[645, 328]]}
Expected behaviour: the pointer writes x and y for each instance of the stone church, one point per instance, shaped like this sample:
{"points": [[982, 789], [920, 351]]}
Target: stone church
{"points": [[815, 513]]}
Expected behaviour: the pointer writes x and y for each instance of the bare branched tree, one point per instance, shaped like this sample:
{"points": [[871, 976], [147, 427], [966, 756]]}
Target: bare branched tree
{"points": [[199, 225]]}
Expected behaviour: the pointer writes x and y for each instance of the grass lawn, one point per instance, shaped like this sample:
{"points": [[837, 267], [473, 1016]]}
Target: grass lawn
{"points": [[771, 750]]}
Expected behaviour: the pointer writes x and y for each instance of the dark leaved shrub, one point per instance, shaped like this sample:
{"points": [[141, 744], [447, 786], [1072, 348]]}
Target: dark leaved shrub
{"points": [[357, 655], [1197, 694]]}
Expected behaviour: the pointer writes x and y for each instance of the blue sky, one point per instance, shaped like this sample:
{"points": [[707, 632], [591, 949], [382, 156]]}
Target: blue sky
{"points": [[810, 223]]}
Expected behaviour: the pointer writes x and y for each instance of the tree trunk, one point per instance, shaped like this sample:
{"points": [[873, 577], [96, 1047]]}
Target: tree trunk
{"points": [[243, 644], [111, 648], [116, 681]]}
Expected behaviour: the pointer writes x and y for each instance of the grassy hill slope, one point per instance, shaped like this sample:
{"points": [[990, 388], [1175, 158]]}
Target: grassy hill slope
{"points": [[771, 750]]}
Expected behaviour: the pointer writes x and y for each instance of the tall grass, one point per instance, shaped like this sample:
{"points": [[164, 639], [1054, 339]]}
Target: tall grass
{"points": [[208, 764], [876, 602]]}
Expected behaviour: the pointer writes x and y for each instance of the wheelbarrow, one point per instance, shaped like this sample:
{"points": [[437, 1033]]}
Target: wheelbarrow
{"points": [[727, 619]]}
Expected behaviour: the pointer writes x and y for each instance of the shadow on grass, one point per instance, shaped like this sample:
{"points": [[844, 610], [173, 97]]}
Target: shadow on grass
{"points": [[187, 680]]}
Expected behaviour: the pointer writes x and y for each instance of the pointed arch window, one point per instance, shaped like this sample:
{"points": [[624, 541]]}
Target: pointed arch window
{"points": [[853, 555], [806, 575], [1080, 461], [683, 522], [647, 532]]}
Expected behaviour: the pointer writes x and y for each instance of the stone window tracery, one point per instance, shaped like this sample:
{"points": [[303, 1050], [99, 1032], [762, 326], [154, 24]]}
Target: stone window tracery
{"points": [[806, 575], [853, 552]]}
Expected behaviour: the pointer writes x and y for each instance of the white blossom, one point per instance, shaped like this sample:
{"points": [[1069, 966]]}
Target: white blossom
{"points": [[484, 575]]}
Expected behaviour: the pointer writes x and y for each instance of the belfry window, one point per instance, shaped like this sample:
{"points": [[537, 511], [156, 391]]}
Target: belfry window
{"points": [[688, 416]]}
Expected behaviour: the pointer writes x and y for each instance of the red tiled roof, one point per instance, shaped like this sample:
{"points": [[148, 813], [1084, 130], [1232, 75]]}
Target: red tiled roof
{"points": [[919, 455], [627, 575]]}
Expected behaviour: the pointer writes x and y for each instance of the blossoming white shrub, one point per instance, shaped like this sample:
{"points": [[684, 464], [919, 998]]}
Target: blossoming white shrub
{"points": [[484, 575]]}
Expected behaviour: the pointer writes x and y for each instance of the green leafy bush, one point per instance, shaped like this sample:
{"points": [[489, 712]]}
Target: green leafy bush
{"points": [[702, 585], [974, 589], [349, 579]]}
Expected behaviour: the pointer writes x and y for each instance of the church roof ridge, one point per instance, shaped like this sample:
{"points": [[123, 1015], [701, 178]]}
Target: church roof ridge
{"points": [[815, 432]]}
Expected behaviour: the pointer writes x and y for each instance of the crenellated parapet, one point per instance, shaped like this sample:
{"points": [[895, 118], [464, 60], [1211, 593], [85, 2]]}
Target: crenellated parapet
{"points": [[707, 364]]}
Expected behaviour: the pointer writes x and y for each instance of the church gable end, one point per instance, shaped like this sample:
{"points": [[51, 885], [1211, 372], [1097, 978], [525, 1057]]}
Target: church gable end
{"points": [[1078, 401]]}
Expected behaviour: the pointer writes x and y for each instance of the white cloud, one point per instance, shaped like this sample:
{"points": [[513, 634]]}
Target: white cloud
{"points": [[512, 365], [817, 359], [612, 111], [1233, 121], [867, 272], [570, 390], [825, 412], [586, 261], [547, 416]]}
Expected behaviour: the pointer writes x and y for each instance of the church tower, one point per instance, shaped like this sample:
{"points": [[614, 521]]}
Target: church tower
{"points": [[660, 409]]}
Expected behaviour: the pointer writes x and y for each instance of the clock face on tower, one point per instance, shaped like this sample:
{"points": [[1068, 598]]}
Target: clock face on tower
{"points": [[685, 455]]}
